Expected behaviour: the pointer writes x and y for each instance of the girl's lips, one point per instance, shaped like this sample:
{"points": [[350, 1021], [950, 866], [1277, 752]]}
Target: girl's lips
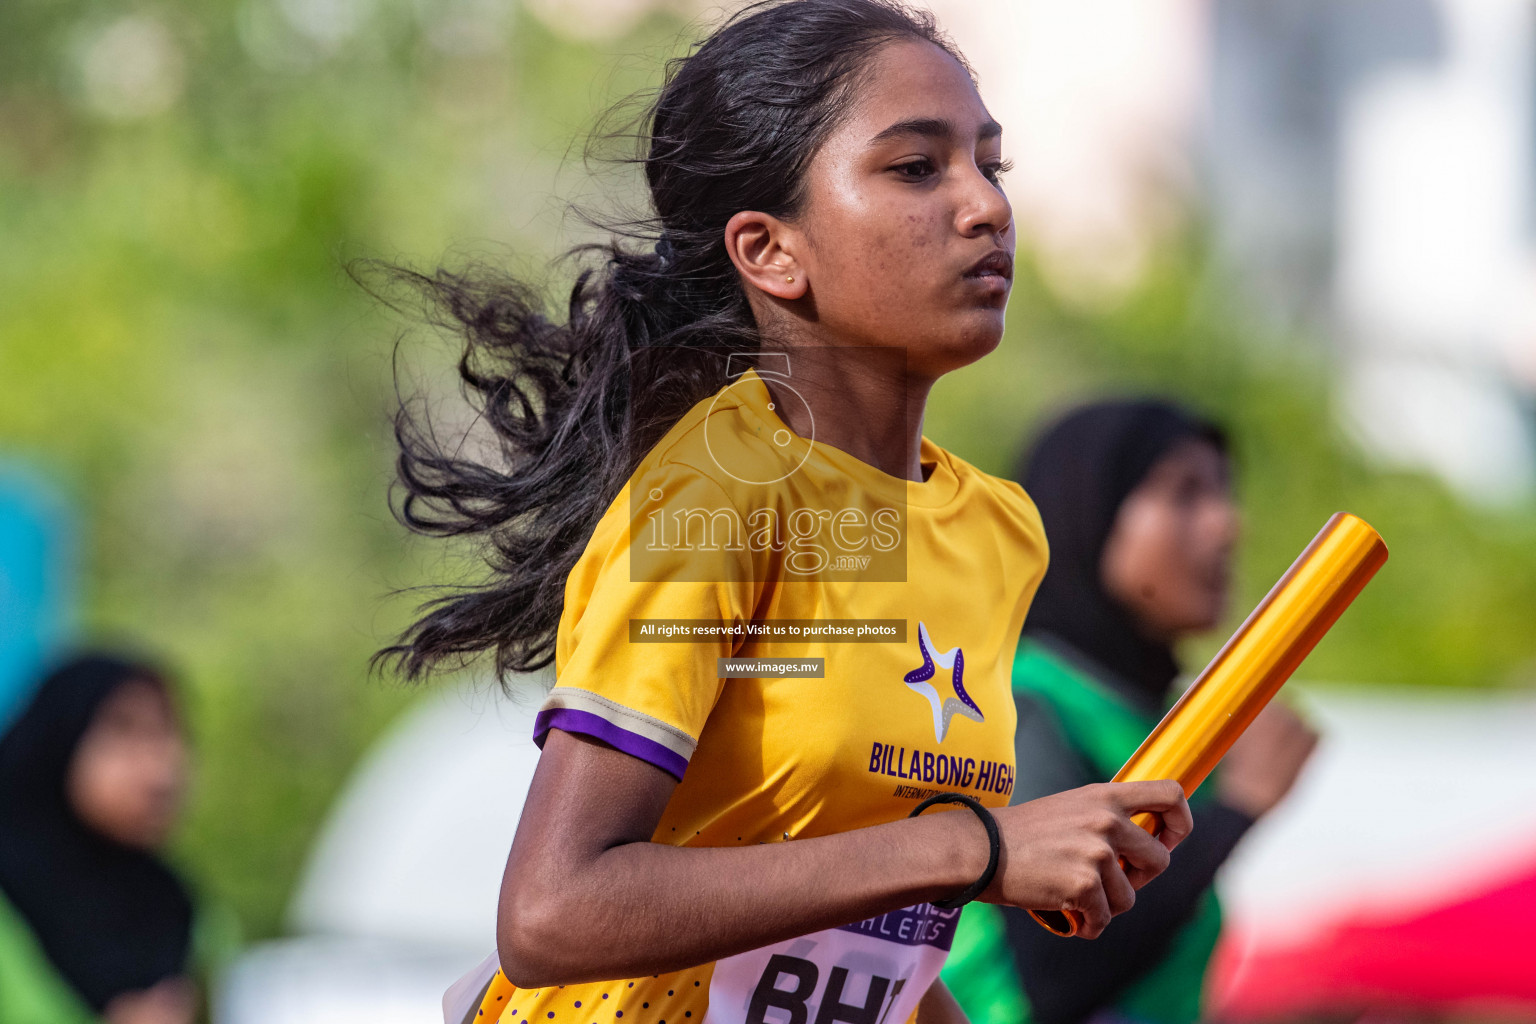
{"points": [[997, 263]]}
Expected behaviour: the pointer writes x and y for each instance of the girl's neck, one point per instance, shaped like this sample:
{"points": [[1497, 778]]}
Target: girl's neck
{"points": [[861, 401]]}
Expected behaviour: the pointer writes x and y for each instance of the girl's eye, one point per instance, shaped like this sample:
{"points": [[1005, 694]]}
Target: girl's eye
{"points": [[915, 170], [996, 169]]}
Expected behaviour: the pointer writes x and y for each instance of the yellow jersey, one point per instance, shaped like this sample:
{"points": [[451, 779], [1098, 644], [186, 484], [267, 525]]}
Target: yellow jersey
{"points": [[809, 646]]}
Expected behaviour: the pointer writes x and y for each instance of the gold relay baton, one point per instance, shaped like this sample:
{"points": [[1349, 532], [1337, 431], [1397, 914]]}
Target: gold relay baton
{"points": [[1249, 670]]}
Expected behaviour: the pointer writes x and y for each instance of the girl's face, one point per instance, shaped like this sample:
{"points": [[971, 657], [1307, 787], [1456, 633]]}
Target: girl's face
{"points": [[129, 772], [906, 239], [1168, 559]]}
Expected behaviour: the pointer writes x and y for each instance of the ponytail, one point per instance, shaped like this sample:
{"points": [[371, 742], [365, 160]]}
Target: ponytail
{"points": [[573, 406]]}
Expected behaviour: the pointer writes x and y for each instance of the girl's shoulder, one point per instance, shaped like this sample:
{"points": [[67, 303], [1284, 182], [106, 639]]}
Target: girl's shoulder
{"points": [[1001, 498], [732, 438]]}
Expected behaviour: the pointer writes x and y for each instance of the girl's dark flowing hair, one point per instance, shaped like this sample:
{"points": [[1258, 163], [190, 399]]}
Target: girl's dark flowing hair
{"points": [[573, 406]]}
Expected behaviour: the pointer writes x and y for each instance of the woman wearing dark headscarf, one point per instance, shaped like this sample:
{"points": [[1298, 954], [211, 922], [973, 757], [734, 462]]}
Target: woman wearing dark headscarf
{"points": [[1138, 511], [92, 924]]}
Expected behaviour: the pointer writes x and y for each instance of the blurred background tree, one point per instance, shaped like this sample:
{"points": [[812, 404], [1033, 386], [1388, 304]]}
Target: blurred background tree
{"points": [[182, 189]]}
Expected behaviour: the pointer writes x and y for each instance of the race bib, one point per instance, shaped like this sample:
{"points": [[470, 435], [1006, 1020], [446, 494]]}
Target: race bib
{"points": [[871, 972]]}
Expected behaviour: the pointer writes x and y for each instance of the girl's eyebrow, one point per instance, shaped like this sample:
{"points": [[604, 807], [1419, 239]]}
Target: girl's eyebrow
{"points": [[934, 128]]}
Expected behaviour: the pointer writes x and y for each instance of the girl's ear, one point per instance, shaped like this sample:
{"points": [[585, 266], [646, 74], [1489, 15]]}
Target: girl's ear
{"points": [[763, 248]]}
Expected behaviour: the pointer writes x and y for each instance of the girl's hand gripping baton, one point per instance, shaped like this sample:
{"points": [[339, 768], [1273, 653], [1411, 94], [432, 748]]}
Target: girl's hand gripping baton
{"points": [[1248, 671]]}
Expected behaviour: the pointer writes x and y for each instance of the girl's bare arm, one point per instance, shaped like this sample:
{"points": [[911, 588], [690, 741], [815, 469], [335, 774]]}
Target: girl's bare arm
{"points": [[588, 897]]}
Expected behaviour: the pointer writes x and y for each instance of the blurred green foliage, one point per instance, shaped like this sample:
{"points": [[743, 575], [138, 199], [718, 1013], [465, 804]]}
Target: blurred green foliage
{"points": [[181, 346], [1452, 605]]}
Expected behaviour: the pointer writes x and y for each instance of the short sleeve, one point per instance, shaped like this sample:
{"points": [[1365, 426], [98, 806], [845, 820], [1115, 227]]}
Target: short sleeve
{"points": [[649, 608]]}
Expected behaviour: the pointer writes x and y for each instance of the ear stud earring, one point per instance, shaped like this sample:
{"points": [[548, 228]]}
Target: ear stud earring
{"points": [[791, 280]]}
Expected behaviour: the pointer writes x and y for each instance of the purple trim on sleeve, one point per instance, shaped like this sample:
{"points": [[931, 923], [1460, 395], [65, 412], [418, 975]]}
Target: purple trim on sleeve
{"points": [[585, 723]]}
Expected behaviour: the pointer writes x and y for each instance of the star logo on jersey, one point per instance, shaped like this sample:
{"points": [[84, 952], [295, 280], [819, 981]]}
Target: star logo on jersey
{"points": [[921, 680]]}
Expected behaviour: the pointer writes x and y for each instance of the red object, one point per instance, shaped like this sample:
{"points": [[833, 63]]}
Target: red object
{"points": [[1474, 954]]}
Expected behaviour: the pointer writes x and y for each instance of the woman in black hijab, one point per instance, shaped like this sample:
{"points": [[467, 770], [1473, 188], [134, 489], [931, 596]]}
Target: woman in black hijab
{"points": [[91, 778], [1137, 506]]}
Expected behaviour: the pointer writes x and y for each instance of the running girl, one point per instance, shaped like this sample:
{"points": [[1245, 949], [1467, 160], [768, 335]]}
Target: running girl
{"points": [[725, 432]]}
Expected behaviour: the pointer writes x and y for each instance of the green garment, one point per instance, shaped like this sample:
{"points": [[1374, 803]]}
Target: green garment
{"points": [[1105, 730], [32, 991]]}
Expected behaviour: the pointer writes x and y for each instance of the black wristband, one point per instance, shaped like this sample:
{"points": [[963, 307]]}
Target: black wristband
{"points": [[979, 886]]}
